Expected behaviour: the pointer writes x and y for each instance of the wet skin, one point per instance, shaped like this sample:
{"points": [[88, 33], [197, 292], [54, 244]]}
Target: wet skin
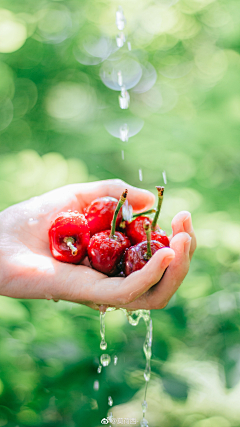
{"points": [[28, 269]]}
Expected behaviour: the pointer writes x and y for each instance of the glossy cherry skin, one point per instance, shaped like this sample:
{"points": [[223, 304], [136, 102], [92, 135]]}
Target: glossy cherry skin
{"points": [[105, 254], [99, 214], [136, 233], [69, 224], [136, 256]]}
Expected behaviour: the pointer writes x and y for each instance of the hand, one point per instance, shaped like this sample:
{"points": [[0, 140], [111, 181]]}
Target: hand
{"points": [[28, 269]]}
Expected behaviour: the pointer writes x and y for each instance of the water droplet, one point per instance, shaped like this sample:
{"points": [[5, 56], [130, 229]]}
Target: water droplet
{"points": [[99, 369], [140, 175], [127, 211], [144, 405], [124, 130], [110, 401], [120, 39], [124, 127], [120, 19], [144, 423], [131, 71], [105, 359], [164, 177], [48, 297], [103, 345], [115, 360], [123, 157], [32, 221], [120, 79], [124, 99], [96, 385], [129, 46]]}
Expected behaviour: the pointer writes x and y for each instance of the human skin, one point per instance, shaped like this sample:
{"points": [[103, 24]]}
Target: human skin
{"points": [[28, 270]]}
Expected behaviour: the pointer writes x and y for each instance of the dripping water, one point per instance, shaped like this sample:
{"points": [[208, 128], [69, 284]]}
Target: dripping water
{"points": [[134, 318], [140, 175], [122, 154], [123, 131], [103, 344], [164, 177]]}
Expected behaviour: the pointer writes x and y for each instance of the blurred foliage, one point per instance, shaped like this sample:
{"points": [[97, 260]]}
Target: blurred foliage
{"points": [[54, 112]]}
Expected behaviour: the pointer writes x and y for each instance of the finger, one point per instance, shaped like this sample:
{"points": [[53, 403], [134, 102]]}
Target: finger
{"points": [[175, 273], [50, 279], [158, 296], [182, 222]]}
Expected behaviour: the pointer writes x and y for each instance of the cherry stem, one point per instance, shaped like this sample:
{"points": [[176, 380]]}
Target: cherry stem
{"points": [[119, 205], [160, 199], [69, 242], [147, 228], [148, 212]]}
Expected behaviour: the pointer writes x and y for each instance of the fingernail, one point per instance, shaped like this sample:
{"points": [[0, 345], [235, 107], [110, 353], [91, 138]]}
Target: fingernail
{"points": [[166, 261], [187, 245], [187, 224]]}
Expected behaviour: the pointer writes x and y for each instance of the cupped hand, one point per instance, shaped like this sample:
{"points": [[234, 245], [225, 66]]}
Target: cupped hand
{"points": [[28, 270]]}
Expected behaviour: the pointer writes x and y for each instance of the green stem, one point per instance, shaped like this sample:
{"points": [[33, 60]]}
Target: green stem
{"points": [[150, 211], [119, 205], [147, 228], [160, 199], [69, 242]]}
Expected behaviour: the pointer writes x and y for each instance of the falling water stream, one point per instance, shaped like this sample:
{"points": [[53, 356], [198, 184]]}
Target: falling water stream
{"points": [[133, 318]]}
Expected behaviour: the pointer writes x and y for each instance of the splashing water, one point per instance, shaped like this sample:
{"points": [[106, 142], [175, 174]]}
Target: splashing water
{"points": [[124, 131], [110, 401], [127, 211], [120, 19], [103, 344], [140, 175], [164, 177], [124, 99], [96, 385], [99, 369], [120, 40], [115, 360], [134, 318], [120, 79], [105, 359]]}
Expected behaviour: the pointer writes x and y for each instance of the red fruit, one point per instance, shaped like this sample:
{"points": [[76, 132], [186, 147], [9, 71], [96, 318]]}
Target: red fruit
{"points": [[137, 256], [69, 237], [105, 249], [135, 229], [99, 214], [136, 233], [105, 253]]}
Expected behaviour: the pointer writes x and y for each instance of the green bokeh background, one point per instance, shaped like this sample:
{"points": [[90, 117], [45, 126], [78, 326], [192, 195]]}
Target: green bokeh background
{"points": [[53, 111]]}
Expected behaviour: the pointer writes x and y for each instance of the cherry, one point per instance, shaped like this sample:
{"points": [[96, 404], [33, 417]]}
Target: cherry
{"points": [[137, 256], [69, 236], [105, 249], [99, 214], [135, 229]]}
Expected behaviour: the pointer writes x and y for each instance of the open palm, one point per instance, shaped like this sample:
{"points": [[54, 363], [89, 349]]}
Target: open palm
{"points": [[29, 271]]}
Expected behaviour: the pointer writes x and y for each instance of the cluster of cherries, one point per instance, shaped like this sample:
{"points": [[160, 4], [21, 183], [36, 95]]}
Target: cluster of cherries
{"points": [[73, 236]]}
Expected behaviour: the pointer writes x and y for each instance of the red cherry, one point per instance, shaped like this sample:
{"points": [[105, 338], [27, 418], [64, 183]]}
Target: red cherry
{"points": [[135, 232], [105, 252], [135, 229], [137, 256], [69, 237], [105, 249], [99, 214]]}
